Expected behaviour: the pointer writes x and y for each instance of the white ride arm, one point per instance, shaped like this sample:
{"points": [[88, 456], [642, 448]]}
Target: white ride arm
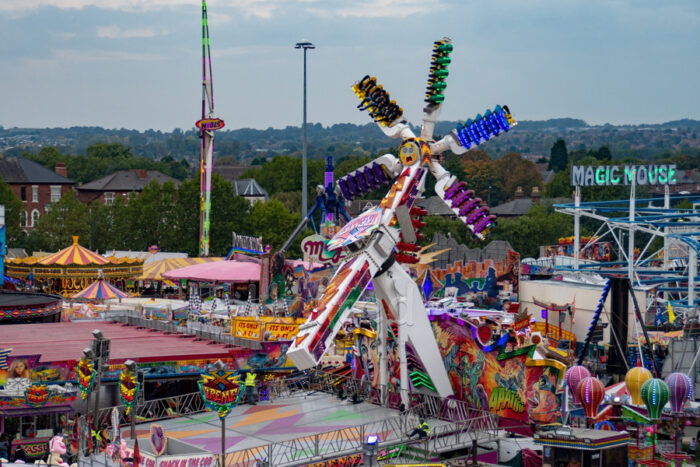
{"points": [[335, 306]]}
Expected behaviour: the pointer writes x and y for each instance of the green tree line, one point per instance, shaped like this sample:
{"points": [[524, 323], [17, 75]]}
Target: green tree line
{"points": [[162, 215]]}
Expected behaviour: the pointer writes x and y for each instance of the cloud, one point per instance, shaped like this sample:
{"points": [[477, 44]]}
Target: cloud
{"points": [[379, 8], [61, 57], [28, 6], [115, 32]]}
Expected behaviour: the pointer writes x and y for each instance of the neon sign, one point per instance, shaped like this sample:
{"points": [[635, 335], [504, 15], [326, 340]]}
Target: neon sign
{"points": [[613, 175], [220, 391], [210, 124]]}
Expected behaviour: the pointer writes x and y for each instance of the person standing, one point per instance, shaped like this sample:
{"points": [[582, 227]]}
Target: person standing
{"points": [[250, 387]]}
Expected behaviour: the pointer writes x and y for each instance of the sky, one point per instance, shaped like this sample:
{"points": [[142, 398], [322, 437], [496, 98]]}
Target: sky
{"points": [[136, 64]]}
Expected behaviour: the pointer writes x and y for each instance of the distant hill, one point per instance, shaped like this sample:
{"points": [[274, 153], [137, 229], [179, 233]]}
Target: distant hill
{"points": [[246, 145]]}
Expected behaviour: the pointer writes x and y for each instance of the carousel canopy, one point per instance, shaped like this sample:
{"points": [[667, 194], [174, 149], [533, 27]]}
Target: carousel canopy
{"points": [[219, 271], [153, 271], [100, 290], [73, 255]]}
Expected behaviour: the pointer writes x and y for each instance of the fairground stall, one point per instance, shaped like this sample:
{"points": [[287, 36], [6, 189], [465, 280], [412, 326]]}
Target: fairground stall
{"points": [[72, 269], [27, 307], [152, 283]]}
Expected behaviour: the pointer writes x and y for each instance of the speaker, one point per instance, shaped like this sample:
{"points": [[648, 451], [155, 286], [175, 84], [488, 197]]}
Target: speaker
{"points": [[617, 350]]}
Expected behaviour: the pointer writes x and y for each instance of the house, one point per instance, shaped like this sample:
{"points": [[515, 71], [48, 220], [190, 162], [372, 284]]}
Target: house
{"points": [[687, 183], [521, 205], [35, 185], [120, 184], [436, 207], [250, 190]]}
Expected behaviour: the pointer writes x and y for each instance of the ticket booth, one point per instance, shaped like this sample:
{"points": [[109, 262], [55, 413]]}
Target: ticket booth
{"points": [[578, 447]]}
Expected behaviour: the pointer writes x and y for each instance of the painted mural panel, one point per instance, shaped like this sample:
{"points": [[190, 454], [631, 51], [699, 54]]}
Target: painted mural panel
{"points": [[503, 382]]}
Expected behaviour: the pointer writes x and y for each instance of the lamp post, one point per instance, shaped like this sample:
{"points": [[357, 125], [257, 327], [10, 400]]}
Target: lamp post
{"points": [[100, 349], [305, 45], [370, 448]]}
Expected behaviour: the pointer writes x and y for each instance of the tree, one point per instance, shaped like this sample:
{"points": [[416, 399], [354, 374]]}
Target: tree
{"points": [[13, 231], [540, 226], [283, 174], [272, 221], [484, 177], [229, 213], [66, 218], [558, 157], [518, 172]]}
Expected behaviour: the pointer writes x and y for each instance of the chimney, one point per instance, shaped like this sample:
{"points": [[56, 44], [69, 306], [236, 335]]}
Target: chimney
{"points": [[142, 174], [61, 170], [535, 195], [519, 192]]}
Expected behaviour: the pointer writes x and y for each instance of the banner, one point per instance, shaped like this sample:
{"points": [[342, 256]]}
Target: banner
{"points": [[281, 331], [247, 329]]}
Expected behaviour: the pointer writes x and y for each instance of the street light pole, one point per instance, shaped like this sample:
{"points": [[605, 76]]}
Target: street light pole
{"points": [[304, 202]]}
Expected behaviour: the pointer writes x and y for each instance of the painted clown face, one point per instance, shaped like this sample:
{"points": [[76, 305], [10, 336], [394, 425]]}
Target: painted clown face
{"points": [[413, 150]]}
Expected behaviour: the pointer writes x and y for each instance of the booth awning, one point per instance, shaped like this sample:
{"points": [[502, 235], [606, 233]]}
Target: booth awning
{"points": [[219, 271], [154, 271]]}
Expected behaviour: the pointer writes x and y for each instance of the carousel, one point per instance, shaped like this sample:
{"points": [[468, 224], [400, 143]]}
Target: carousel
{"points": [[73, 269]]}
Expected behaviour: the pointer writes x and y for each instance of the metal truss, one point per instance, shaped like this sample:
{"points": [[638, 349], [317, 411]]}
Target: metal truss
{"points": [[671, 269]]}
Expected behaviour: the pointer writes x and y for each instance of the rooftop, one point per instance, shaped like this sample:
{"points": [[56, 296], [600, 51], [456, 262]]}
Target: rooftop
{"points": [[128, 180], [248, 187], [59, 342], [19, 169]]}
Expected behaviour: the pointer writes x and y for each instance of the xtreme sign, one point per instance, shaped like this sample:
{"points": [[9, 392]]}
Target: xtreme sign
{"points": [[612, 175]]}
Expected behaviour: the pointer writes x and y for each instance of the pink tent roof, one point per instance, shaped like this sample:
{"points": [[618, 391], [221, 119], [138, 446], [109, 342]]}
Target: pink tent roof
{"points": [[308, 265], [218, 271]]}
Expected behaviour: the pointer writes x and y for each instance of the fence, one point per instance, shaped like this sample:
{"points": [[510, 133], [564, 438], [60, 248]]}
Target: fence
{"points": [[200, 330], [460, 425], [456, 425]]}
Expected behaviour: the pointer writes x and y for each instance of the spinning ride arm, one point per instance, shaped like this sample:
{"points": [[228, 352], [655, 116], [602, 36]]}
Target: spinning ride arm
{"points": [[373, 238]]}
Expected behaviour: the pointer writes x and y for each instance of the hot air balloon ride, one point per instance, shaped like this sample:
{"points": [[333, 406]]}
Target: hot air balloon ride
{"points": [[679, 390], [573, 376], [591, 392], [655, 394], [633, 380]]}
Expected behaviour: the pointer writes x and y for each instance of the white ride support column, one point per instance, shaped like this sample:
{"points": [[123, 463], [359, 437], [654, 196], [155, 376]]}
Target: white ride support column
{"points": [[401, 294], [383, 356]]}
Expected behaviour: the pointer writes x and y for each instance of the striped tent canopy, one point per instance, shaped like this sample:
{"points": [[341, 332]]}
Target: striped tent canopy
{"points": [[73, 255], [153, 271], [100, 290]]}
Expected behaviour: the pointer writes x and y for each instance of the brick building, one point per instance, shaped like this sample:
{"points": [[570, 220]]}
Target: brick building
{"points": [[35, 185]]}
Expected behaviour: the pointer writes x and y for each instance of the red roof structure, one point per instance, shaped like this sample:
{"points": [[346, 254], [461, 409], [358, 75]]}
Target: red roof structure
{"points": [[58, 342]]}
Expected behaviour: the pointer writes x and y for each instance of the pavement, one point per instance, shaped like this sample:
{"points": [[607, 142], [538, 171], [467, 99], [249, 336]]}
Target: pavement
{"points": [[249, 426]]}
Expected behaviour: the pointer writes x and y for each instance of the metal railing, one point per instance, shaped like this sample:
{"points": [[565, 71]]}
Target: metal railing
{"points": [[456, 426], [156, 409], [199, 330]]}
